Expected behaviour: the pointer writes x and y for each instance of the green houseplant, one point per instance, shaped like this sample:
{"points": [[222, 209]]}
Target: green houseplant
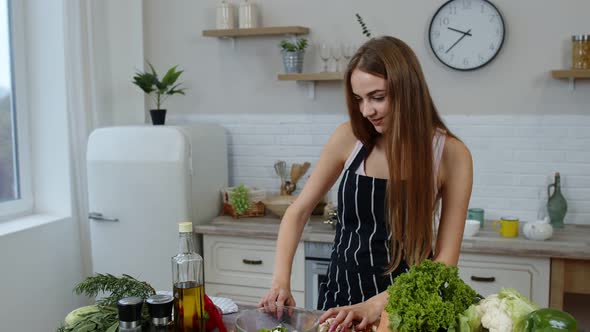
{"points": [[293, 54], [159, 90]]}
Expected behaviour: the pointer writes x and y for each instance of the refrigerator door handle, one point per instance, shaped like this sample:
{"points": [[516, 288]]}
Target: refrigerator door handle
{"points": [[99, 217]]}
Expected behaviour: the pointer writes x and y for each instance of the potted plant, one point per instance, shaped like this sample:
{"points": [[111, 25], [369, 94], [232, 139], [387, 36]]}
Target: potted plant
{"points": [[159, 90], [293, 54]]}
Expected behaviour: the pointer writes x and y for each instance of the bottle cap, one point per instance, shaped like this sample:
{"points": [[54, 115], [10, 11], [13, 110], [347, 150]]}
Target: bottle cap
{"points": [[130, 309], [185, 227]]}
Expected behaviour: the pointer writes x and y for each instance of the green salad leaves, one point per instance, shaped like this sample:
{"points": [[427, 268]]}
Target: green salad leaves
{"points": [[429, 297], [278, 328]]}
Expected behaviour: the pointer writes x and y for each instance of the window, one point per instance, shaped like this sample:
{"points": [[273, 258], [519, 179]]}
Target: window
{"points": [[14, 179], [9, 189]]}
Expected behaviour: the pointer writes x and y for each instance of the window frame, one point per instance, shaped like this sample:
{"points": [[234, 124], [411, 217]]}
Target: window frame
{"points": [[23, 205]]}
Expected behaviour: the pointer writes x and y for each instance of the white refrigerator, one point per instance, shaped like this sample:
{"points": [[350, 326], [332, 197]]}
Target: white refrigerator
{"points": [[143, 181]]}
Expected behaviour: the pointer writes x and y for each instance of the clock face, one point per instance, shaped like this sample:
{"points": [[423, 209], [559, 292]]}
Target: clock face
{"points": [[466, 34]]}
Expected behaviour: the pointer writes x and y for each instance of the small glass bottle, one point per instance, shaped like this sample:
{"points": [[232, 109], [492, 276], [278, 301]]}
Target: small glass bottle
{"points": [[581, 52], [130, 314], [160, 310], [188, 287]]}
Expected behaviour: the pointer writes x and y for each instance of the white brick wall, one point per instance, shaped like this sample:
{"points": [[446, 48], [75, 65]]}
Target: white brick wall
{"points": [[515, 157]]}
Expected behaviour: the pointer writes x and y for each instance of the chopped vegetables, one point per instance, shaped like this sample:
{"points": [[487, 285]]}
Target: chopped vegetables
{"points": [[278, 328]]}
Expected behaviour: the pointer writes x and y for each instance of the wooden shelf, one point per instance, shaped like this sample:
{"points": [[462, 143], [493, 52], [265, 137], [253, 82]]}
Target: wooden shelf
{"points": [[572, 75], [311, 78], [330, 76], [267, 31]]}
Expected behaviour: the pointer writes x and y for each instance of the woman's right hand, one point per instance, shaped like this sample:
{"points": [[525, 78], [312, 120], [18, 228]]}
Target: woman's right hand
{"points": [[277, 296]]}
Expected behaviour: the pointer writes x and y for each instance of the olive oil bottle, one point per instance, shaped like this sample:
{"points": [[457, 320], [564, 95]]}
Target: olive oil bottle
{"points": [[187, 277]]}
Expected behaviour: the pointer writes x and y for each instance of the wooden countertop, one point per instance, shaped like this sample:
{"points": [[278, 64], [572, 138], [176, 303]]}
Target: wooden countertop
{"points": [[572, 241]]}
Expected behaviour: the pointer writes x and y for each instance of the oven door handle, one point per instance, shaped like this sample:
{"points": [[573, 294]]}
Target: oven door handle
{"points": [[319, 267]]}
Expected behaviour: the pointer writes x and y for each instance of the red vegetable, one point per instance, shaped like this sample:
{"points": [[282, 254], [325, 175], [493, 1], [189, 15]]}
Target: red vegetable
{"points": [[214, 320]]}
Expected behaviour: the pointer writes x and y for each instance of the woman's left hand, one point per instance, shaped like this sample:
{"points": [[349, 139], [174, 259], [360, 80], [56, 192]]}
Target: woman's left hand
{"points": [[366, 313]]}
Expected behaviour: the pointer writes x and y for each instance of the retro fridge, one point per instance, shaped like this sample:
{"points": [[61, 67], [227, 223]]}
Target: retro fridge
{"points": [[143, 181]]}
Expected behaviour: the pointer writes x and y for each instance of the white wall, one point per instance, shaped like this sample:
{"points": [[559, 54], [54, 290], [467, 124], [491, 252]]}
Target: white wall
{"points": [[117, 52], [40, 266], [241, 80]]}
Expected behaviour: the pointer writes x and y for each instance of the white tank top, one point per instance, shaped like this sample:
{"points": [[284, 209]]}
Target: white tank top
{"points": [[438, 143]]}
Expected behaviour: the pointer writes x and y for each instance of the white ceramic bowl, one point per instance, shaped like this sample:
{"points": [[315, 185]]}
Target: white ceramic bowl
{"points": [[471, 227]]}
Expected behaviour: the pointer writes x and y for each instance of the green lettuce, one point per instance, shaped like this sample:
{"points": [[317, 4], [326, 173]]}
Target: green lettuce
{"points": [[428, 297]]}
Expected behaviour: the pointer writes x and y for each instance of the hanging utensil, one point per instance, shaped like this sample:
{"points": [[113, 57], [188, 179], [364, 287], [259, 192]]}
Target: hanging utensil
{"points": [[297, 171]]}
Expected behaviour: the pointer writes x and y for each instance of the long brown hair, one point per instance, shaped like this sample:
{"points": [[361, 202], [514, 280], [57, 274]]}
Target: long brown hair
{"points": [[412, 121]]}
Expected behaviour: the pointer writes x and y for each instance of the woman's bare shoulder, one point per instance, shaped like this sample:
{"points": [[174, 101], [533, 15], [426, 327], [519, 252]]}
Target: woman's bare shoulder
{"points": [[456, 155], [342, 140]]}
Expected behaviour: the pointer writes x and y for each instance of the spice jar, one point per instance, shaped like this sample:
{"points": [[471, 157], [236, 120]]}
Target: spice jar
{"points": [[581, 51], [130, 314]]}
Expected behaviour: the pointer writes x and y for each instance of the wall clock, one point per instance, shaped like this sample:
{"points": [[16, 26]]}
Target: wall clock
{"points": [[466, 34]]}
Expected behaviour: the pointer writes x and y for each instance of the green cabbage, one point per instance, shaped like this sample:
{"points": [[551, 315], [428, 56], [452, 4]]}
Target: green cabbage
{"points": [[516, 306], [469, 320]]}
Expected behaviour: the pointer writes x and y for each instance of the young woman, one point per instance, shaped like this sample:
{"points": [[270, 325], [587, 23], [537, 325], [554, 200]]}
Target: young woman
{"points": [[399, 161]]}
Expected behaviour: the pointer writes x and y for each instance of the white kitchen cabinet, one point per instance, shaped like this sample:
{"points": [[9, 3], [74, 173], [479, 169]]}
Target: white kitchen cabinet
{"points": [[241, 268], [245, 295], [488, 274]]}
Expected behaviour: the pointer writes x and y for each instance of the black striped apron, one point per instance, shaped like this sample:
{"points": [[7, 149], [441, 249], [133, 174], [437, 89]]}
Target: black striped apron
{"points": [[361, 246]]}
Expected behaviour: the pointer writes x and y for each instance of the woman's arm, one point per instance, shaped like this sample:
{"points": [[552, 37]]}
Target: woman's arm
{"points": [[456, 182], [324, 175]]}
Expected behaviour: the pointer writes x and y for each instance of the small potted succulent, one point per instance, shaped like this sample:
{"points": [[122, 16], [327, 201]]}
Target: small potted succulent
{"points": [[293, 54], [159, 90]]}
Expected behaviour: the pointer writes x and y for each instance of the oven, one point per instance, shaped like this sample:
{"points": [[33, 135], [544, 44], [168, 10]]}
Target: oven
{"points": [[317, 259]]}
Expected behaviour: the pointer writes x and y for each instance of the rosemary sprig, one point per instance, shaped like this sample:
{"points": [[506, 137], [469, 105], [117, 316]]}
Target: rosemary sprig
{"points": [[118, 288], [366, 30]]}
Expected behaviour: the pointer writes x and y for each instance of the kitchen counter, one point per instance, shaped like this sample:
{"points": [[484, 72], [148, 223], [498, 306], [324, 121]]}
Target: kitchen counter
{"points": [[571, 242]]}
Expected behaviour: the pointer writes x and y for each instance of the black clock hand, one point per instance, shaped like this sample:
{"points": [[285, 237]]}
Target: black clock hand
{"points": [[458, 40], [463, 32]]}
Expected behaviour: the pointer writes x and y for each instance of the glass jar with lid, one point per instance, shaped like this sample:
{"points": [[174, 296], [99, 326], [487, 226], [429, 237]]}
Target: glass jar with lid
{"points": [[581, 51]]}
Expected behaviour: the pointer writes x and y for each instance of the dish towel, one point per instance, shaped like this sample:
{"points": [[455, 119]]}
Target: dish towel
{"points": [[226, 305]]}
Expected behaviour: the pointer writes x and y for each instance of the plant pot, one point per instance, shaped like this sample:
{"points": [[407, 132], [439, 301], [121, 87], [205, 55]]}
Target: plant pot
{"points": [[293, 61], [158, 117]]}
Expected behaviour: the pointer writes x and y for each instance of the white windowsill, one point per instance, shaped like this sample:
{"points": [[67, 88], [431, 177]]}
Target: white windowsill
{"points": [[27, 222]]}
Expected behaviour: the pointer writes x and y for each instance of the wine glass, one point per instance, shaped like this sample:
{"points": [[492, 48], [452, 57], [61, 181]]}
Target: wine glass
{"points": [[325, 55], [336, 54], [347, 52]]}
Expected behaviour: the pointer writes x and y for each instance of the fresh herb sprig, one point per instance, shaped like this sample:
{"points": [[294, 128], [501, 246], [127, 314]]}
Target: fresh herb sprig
{"points": [[125, 286], [366, 30]]}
